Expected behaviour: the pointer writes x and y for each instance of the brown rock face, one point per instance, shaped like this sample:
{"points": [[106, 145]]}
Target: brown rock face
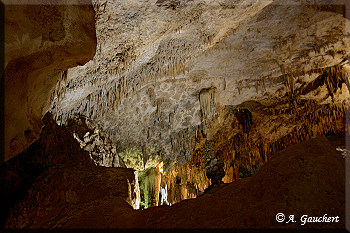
{"points": [[54, 177], [307, 178], [192, 94], [211, 88], [42, 40]]}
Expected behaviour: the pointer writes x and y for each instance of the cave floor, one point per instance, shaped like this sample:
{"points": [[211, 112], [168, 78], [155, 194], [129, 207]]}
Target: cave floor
{"points": [[304, 179]]}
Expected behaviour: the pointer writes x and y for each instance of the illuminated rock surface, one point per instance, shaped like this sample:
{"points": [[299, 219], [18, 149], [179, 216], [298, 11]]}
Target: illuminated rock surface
{"points": [[191, 95], [209, 88], [54, 178], [303, 179]]}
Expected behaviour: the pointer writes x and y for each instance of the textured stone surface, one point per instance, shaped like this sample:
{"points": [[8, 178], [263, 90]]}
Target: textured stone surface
{"points": [[191, 94], [212, 88], [289, 183], [100, 148], [161, 72], [54, 179], [42, 39]]}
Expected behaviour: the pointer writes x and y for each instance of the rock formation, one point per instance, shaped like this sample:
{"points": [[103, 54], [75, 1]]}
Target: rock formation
{"points": [[190, 94], [304, 178], [53, 174], [222, 83], [42, 40]]}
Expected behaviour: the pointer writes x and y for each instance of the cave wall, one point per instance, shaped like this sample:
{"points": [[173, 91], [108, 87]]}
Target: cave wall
{"points": [[53, 176], [189, 93], [42, 40], [289, 182], [213, 88]]}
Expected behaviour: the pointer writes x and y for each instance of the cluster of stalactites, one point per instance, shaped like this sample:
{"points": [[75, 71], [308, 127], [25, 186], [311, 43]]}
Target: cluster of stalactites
{"points": [[333, 77], [207, 99], [309, 121], [126, 79], [182, 143], [59, 93]]}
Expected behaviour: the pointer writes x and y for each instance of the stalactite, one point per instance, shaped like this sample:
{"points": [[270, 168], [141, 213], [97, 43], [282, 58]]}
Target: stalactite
{"points": [[207, 101]]}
